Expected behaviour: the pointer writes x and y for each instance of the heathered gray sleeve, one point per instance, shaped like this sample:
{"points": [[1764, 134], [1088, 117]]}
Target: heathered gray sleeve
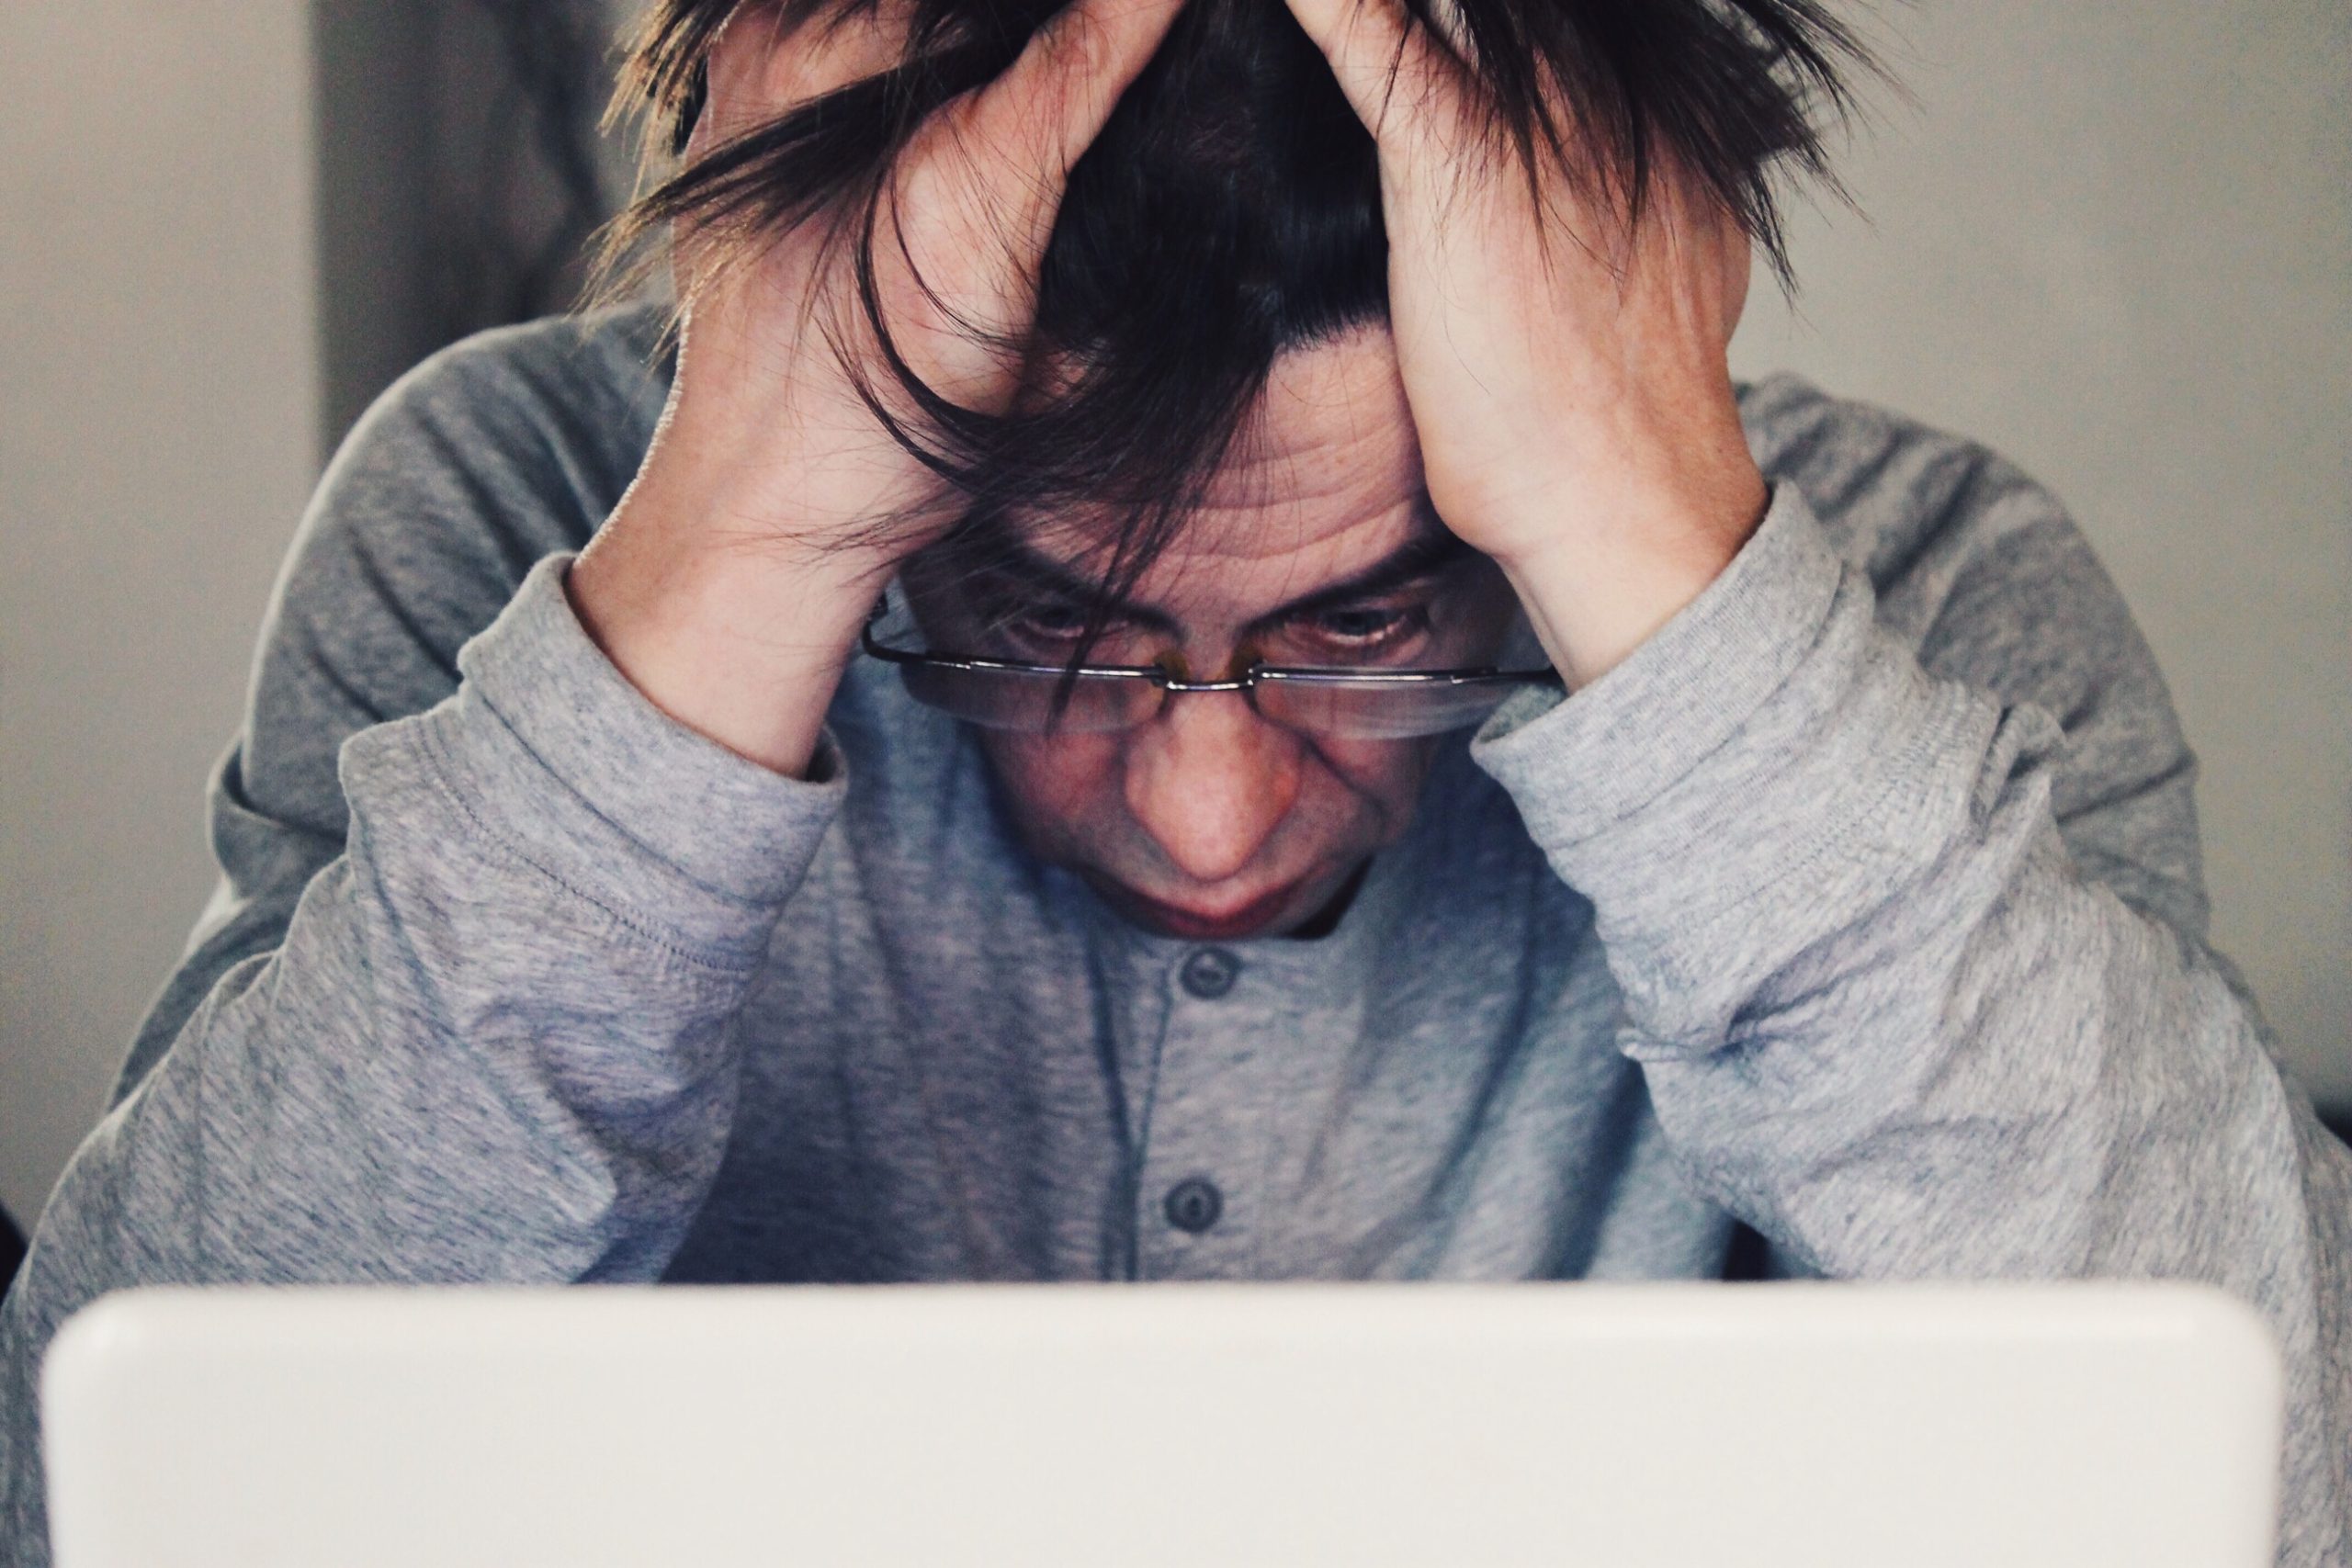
{"points": [[483, 1031], [1896, 1009]]}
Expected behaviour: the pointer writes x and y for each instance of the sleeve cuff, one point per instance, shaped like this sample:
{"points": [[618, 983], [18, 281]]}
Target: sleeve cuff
{"points": [[553, 752], [1680, 696], [1767, 767]]}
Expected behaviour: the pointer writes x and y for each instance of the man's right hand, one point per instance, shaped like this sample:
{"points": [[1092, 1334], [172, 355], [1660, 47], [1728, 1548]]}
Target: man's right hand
{"points": [[730, 582]]}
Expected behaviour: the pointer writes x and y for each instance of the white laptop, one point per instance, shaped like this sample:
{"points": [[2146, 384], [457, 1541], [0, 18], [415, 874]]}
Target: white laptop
{"points": [[1835, 1426]]}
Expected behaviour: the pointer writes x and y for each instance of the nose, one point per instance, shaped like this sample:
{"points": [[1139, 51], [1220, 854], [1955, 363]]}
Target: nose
{"points": [[1210, 780]]}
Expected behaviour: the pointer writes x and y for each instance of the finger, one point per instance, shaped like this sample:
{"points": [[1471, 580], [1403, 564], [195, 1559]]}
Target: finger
{"points": [[1691, 243], [1053, 100], [1738, 264], [761, 67], [1398, 79]]}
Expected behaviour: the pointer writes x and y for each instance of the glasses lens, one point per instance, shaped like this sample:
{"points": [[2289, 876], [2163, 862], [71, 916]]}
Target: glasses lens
{"points": [[1376, 711], [1014, 699]]}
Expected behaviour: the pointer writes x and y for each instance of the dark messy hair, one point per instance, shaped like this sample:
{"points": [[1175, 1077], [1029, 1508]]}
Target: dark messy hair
{"points": [[1230, 207]]}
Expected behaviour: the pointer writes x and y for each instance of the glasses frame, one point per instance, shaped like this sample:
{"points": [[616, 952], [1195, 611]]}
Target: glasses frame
{"points": [[1256, 673]]}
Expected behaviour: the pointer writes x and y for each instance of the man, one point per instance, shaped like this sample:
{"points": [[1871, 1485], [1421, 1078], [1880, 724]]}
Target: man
{"points": [[662, 934]]}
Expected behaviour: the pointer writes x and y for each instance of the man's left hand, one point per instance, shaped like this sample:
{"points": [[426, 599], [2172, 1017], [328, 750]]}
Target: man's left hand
{"points": [[1565, 367]]}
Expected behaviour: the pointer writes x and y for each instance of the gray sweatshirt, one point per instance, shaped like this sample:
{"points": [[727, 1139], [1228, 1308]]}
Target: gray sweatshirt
{"points": [[1861, 904]]}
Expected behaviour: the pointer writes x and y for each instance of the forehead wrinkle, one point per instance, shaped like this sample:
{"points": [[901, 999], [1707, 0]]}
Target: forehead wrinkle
{"points": [[1322, 480], [1330, 442]]}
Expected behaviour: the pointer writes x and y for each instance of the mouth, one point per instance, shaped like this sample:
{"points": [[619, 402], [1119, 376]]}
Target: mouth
{"points": [[1207, 925]]}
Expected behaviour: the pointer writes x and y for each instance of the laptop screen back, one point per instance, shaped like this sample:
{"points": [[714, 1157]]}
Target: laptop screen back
{"points": [[1836, 1426]]}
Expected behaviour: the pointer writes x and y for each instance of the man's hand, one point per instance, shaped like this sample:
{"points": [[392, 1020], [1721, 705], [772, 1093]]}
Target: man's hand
{"points": [[730, 582], [1567, 373]]}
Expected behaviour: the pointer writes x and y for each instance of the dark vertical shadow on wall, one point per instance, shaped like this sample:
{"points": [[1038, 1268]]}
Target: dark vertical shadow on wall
{"points": [[460, 173], [371, 71], [12, 1250]]}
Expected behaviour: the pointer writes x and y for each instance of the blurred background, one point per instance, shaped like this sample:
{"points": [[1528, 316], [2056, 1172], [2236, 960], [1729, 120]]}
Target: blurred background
{"points": [[2114, 241]]}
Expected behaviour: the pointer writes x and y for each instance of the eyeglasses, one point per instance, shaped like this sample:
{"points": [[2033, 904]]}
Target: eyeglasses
{"points": [[1347, 705]]}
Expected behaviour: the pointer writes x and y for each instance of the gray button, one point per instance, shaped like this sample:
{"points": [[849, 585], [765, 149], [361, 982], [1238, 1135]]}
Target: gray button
{"points": [[1210, 972], [1194, 1205]]}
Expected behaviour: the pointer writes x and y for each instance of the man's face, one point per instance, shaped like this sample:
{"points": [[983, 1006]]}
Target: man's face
{"points": [[1316, 547]]}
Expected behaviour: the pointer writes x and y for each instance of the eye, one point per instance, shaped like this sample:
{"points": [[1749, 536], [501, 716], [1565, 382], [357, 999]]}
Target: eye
{"points": [[1361, 628], [1358, 625], [1048, 621]]}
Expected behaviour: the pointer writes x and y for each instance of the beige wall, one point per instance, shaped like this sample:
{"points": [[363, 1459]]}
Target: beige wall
{"points": [[2115, 242], [157, 410], [2112, 241]]}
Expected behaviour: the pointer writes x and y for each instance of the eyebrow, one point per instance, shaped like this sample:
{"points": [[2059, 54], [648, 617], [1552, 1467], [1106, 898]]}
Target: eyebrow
{"points": [[1433, 549], [1425, 555]]}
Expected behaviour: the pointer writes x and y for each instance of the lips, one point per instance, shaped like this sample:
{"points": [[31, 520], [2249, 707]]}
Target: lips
{"points": [[1195, 925]]}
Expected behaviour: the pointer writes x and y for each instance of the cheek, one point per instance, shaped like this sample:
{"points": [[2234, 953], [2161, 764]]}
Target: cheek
{"points": [[1374, 785], [1054, 786]]}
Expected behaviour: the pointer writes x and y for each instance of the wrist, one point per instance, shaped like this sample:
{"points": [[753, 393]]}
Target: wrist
{"points": [[743, 640], [1592, 601]]}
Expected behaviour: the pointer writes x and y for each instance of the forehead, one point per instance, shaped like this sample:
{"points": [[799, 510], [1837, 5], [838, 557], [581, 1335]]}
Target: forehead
{"points": [[1325, 479]]}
